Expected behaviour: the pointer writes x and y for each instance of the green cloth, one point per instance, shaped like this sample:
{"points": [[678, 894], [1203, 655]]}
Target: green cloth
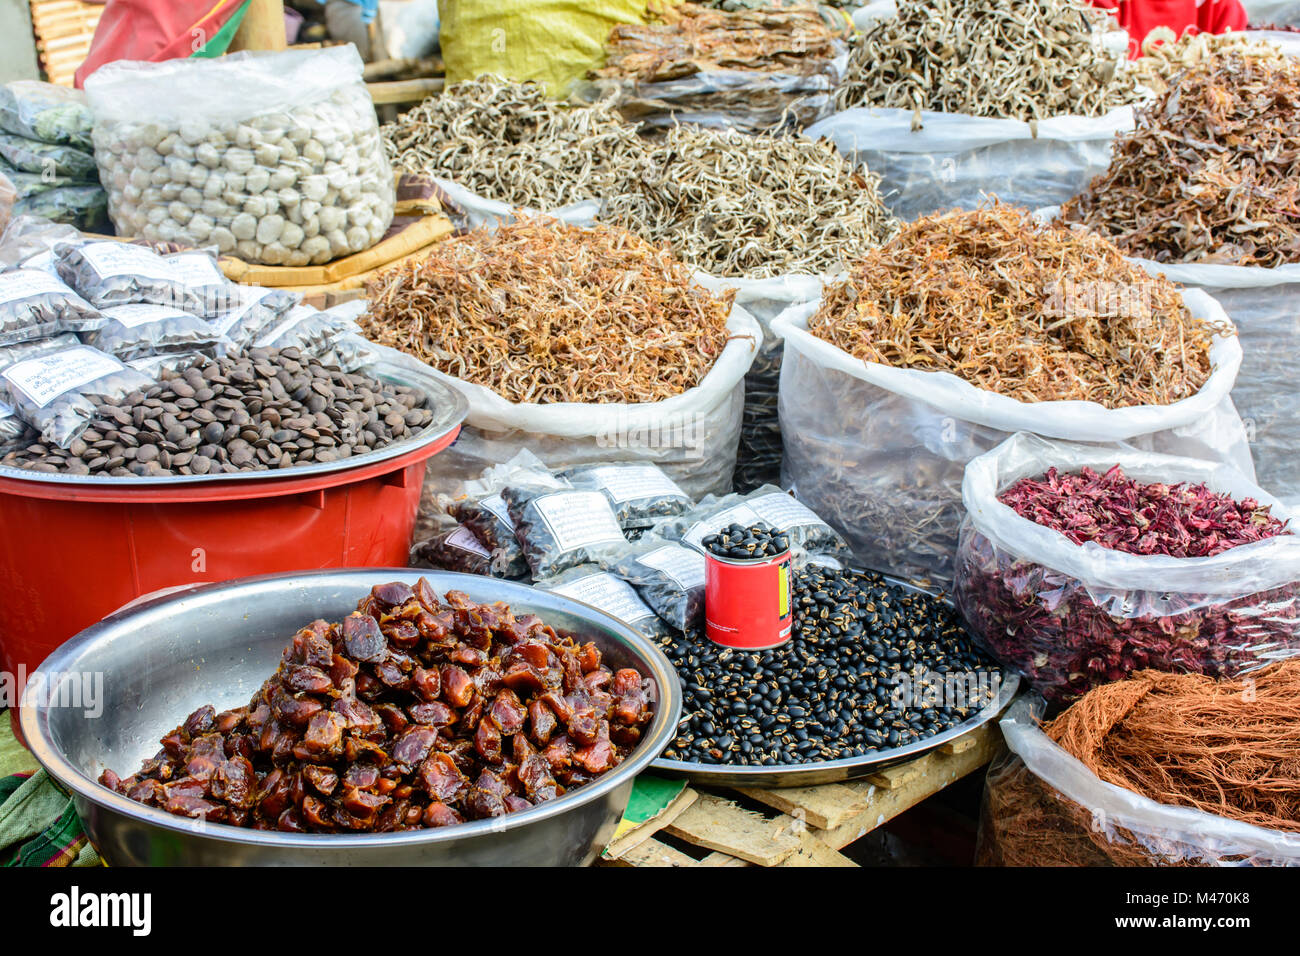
{"points": [[220, 41], [14, 757], [39, 825]]}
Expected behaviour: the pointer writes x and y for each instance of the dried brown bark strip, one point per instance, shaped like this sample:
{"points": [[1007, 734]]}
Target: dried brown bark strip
{"points": [[1209, 174], [1031, 311], [541, 312]]}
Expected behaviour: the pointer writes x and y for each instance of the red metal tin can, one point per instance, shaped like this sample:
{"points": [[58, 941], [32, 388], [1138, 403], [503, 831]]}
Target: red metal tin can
{"points": [[747, 602]]}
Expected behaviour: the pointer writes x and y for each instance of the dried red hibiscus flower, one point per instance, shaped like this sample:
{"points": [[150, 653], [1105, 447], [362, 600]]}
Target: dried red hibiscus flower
{"points": [[1068, 636], [1120, 513], [410, 713]]}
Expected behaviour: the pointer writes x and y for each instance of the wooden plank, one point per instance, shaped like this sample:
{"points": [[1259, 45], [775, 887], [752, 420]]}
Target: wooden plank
{"points": [[718, 824], [635, 837], [717, 858], [404, 91], [825, 806], [652, 853], [960, 745], [813, 852], [931, 773], [892, 778]]}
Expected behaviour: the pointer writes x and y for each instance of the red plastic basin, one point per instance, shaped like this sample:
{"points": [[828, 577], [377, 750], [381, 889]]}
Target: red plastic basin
{"points": [[71, 554]]}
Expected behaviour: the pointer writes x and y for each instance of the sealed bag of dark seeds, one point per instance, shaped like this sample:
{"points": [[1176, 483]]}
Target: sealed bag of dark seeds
{"points": [[561, 528], [609, 593], [457, 549], [639, 494], [669, 577]]}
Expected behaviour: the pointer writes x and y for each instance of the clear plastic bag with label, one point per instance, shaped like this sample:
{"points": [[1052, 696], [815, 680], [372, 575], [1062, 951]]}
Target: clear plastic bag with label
{"points": [[457, 549], [35, 305], [251, 313], [33, 156], [34, 347], [808, 533], [668, 576], [107, 273], [561, 528], [45, 112], [639, 494], [324, 336], [55, 393], [158, 367], [606, 592], [140, 330]]}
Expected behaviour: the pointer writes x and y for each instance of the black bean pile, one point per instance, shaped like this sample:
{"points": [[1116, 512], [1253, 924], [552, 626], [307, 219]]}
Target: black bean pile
{"points": [[757, 541], [831, 692], [260, 410]]}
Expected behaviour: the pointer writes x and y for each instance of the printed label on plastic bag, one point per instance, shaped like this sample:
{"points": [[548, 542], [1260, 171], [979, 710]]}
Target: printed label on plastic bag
{"points": [[685, 567], [297, 315], [196, 269], [44, 379], [110, 259], [630, 482], [464, 539], [577, 519], [741, 514], [137, 314], [27, 282], [610, 594], [784, 512], [496, 505]]}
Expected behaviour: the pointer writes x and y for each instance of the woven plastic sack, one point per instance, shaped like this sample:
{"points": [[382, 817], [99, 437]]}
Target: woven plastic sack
{"points": [[954, 160], [554, 42], [272, 157], [1039, 800], [879, 452], [1264, 304], [1070, 617]]}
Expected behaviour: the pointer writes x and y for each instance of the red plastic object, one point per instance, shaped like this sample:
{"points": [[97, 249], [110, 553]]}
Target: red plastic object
{"points": [[747, 603], [72, 554]]}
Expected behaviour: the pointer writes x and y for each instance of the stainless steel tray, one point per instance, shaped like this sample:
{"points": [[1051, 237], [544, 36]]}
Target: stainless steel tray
{"points": [[449, 405], [833, 771]]}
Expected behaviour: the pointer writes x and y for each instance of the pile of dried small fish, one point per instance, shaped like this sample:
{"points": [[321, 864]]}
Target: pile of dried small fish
{"points": [[508, 142], [1165, 55], [689, 39], [1035, 312], [1026, 61], [1209, 175], [541, 312], [735, 204]]}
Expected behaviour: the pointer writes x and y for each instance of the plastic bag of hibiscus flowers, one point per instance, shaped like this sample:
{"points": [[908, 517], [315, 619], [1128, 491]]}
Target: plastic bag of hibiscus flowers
{"points": [[1078, 564]]}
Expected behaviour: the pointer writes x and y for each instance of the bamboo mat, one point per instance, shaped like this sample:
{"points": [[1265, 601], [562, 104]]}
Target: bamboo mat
{"points": [[64, 29]]}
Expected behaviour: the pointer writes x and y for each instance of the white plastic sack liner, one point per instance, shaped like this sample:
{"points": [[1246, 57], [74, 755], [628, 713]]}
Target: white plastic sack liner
{"points": [[880, 452], [1169, 834], [1264, 304], [955, 160]]}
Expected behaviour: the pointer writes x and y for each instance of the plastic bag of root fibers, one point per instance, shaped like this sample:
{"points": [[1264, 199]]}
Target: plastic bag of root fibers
{"points": [[56, 393], [1070, 616], [879, 452], [953, 160], [1043, 807]]}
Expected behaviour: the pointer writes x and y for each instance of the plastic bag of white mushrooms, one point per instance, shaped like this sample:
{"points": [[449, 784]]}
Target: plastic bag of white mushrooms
{"points": [[271, 157]]}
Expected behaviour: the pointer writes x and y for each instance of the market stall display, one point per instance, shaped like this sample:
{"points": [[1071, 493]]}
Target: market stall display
{"points": [[1078, 565], [935, 348], [582, 345], [956, 101], [750, 70], [1157, 770], [275, 157], [1203, 192], [1165, 56], [242, 639]]}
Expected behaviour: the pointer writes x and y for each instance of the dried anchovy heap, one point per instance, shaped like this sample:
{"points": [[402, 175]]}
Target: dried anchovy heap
{"points": [[1123, 514], [1209, 174], [508, 142], [1031, 311], [1231, 749], [540, 312], [689, 38], [739, 205], [411, 712], [1025, 61], [1165, 55]]}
